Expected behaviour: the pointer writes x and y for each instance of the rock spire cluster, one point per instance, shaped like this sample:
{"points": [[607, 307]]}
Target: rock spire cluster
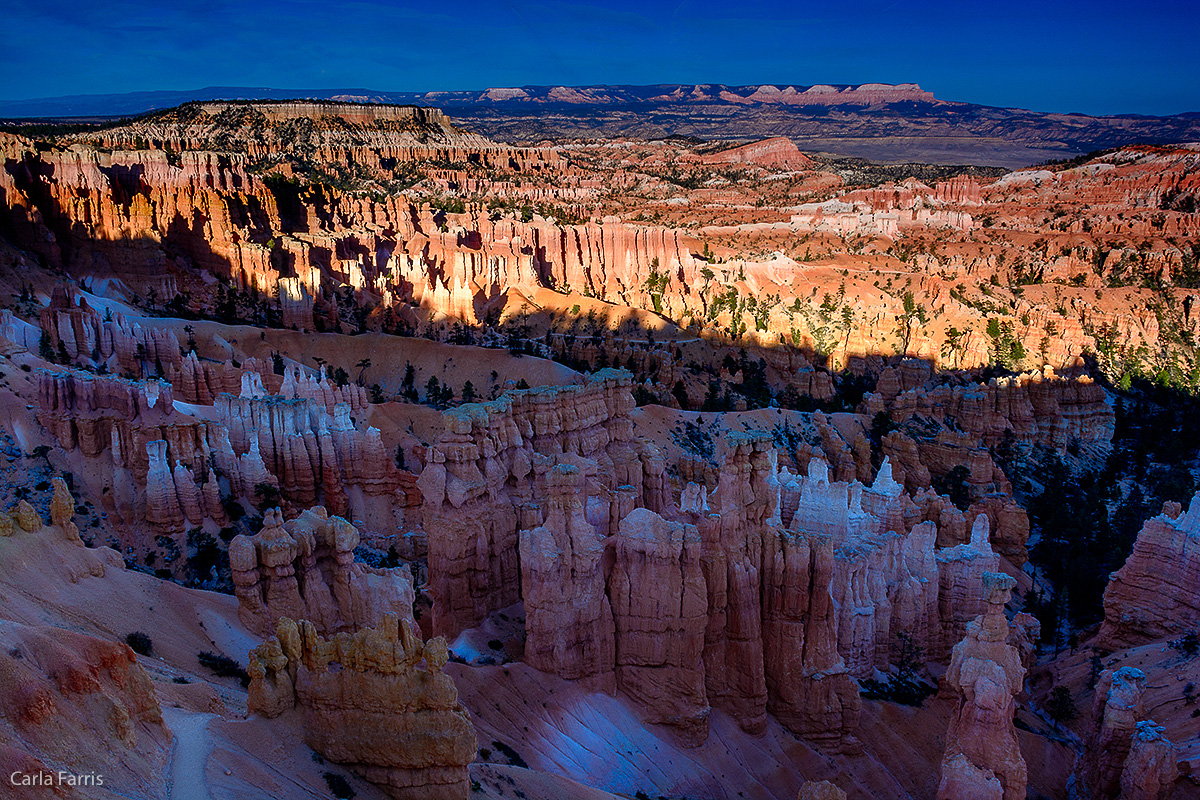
{"points": [[376, 701]]}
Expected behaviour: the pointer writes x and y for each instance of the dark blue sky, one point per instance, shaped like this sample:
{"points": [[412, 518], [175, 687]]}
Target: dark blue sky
{"points": [[1095, 57]]}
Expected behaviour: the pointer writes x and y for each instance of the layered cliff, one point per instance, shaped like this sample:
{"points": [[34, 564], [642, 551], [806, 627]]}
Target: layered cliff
{"points": [[374, 136], [486, 474], [568, 617], [1125, 755], [72, 703], [169, 469], [660, 610], [1152, 596]]}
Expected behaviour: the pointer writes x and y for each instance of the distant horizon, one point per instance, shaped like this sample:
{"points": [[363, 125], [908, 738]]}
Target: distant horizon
{"points": [[1060, 56], [310, 93]]}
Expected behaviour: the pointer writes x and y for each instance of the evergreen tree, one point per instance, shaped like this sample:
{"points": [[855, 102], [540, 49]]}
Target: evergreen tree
{"points": [[433, 390]]}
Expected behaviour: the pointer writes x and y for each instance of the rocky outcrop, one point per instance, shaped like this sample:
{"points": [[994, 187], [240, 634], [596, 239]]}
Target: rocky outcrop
{"points": [[779, 152], [961, 573], [376, 701], [1126, 755], [305, 569], [1153, 595], [174, 469], [808, 687], [1008, 524], [1116, 710], [660, 609], [821, 790], [731, 546], [71, 702], [1151, 768], [81, 410], [136, 206], [377, 136], [75, 704], [307, 442], [982, 757], [487, 471], [569, 625]]}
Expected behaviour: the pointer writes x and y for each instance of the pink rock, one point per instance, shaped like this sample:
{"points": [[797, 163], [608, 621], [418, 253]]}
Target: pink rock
{"points": [[660, 608], [982, 757]]}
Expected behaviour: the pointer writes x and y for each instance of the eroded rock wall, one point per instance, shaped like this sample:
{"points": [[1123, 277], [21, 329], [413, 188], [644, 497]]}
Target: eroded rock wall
{"points": [[1153, 595], [376, 701], [305, 569]]}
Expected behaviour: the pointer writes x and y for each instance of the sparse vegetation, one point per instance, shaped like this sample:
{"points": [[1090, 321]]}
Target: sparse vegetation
{"points": [[223, 666], [140, 643]]}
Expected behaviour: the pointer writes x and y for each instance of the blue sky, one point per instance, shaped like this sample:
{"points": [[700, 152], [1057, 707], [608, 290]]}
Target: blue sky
{"points": [[1094, 57]]}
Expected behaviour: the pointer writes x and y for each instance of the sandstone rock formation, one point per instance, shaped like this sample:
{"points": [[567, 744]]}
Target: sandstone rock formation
{"points": [[305, 569], [80, 705], [1151, 768], [376, 701], [68, 701], [1125, 755], [1116, 710], [982, 758], [568, 618], [1038, 407], [778, 151], [821, 790], [162, 464], [731, 538], [660, 610], [808, 687], [1153, 595], [374, 135], [961, 570], [489, 467]]}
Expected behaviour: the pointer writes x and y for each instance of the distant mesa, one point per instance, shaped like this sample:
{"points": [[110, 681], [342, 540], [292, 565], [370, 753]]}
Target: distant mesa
{"points": [[506, 94]]}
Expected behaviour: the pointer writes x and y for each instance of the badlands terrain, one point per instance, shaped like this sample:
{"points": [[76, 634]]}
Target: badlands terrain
{"points": [[347, 452]]}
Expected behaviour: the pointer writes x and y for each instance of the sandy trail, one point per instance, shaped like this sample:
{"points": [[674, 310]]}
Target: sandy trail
{"points": [[189, 755]]}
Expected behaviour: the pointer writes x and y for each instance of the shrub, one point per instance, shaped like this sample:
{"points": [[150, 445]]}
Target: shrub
{"points": [[338, 785], [223, 667], [1060, 706], [1187, 646], [898, 690], [513, 757], [140, 643]]}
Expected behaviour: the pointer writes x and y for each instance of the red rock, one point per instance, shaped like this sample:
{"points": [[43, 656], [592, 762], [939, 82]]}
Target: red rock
{"points": [[568, 620], [982, 758], [660, 608], [305, 569], [778, 151], [1153, 596]]}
